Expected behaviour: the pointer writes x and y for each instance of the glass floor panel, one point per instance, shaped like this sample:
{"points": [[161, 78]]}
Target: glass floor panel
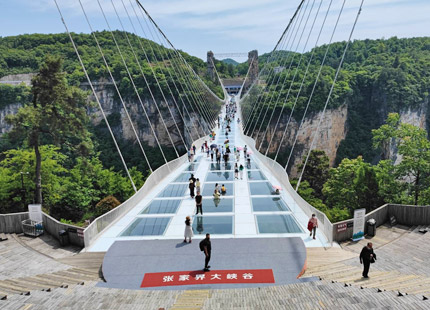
{"points": [[162, 207], [219, 225], [220, 176], [183, 177], [208, 189], [256, 175], [174, 190], [192, 167], [265, 204], [261, 188], [222, 166], [150, 226], [211, 205], [251, 165], [277, 224]]}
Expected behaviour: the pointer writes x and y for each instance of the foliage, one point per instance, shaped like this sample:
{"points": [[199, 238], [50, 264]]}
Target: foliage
{"points": [[56, 115], [316, 171], [9, 94], [352, 185], [26, 53], [106, 204], [413, 146]]}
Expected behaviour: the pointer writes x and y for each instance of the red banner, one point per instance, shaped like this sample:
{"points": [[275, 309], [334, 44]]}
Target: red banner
{"points": [[208, 277]]}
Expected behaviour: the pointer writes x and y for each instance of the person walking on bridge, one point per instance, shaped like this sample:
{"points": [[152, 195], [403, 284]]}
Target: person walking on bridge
{"points": [[206, 247], [367, 256], [313, 225]]}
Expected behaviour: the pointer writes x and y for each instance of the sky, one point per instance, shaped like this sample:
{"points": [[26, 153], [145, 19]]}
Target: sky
{"points": [[223, 26]]}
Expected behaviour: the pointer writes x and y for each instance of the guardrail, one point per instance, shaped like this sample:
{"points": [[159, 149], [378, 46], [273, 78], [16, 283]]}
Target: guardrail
{"points": [[279, 173], [106, 220], [408, 215], [11, 224]]}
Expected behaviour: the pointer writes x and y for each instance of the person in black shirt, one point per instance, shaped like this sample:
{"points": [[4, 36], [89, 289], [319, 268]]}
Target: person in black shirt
{"points": [[366, 257], [199, 202], [205, 246], [192, 185]]}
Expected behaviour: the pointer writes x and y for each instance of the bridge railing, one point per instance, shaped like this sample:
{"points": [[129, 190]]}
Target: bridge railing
{"points": [[280, 174], [100, 224]]}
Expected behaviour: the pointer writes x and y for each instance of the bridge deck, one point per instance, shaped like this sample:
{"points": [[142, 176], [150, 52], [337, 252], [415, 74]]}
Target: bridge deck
{"points": [[250, 208]]}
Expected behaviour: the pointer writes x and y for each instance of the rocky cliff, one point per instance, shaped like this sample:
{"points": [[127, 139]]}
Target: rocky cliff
{"points": [[333, 130], [118, 118]]}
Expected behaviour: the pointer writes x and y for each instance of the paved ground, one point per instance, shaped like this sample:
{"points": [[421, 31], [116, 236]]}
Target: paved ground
{"points": [[126, 262]]}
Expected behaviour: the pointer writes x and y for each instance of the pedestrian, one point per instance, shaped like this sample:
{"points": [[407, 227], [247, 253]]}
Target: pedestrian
{"points": [[212, 155], [189, 155], [199, 203], [312, 225], [188, 234], [192, 154], [197, 185], [218, 158], [236, 171], [223, 190], [244, 151], [202, 149], [192, 185], [367, 256], [205, 246], [241, 171]]}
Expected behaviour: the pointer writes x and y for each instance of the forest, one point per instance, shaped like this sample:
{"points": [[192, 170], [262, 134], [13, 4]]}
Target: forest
{"points": [[54, 153], [83, 177]]}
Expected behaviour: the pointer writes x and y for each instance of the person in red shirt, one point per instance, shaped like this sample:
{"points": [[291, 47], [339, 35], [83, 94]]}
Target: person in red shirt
{"points": [[312, 225]]}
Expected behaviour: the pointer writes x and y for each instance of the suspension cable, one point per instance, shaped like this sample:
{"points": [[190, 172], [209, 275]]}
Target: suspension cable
{"points": [[96, 96], [287, 75], [114, 82], [330, 93]]}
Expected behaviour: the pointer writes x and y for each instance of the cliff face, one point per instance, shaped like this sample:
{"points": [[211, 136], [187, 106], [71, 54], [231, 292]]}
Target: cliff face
{"points": [[8, 109], [118, 118], [333, 130]]}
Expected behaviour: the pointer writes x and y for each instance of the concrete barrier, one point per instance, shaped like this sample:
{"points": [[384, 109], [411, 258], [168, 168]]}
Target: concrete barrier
{"points": [[11, 224]]}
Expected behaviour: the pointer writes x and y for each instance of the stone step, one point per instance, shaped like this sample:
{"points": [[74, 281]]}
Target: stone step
{"points": [[75, 274], [13, 289], [26, 284], [374, 277], [72, 276], [391, 282], [412, 285], [328, 272], [84, 271], [62, 279], [42, 279]]}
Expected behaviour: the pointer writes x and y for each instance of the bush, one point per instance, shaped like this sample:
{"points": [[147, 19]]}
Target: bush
{"points": [[106, 204]]}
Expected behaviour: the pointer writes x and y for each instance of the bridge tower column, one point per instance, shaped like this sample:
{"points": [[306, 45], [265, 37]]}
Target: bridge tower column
{"points": [[210, 65], [253, 63]]}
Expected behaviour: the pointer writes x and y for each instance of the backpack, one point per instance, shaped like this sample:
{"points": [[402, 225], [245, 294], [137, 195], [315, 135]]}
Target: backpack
{"points": [[201, 245]]}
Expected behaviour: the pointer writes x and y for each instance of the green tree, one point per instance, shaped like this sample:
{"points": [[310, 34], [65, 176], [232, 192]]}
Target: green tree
{"points": [[56, 115], [352, 185], [19, 161], [414, 149], [316, 171]]}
